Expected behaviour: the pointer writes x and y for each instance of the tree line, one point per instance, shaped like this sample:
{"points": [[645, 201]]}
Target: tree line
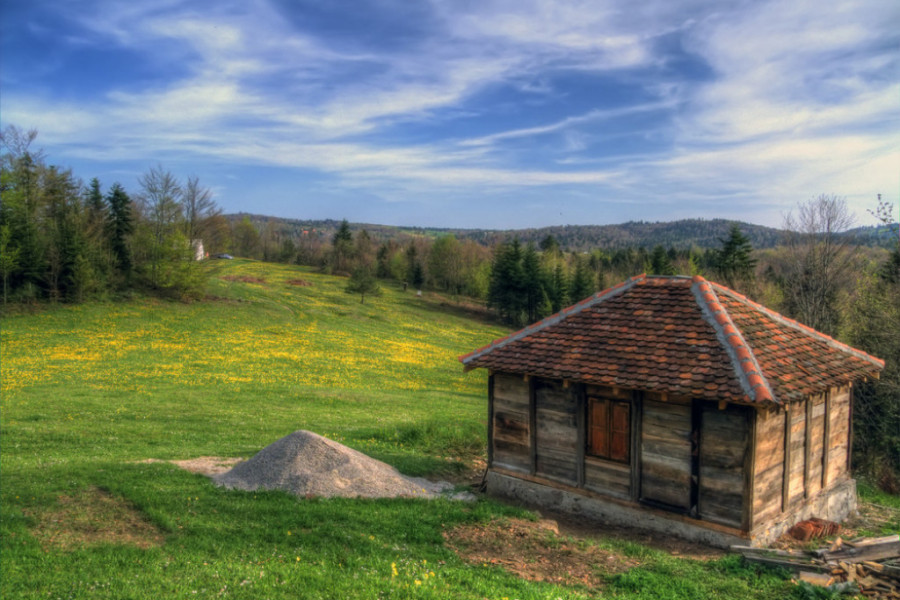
{"points": [[63, 240]]}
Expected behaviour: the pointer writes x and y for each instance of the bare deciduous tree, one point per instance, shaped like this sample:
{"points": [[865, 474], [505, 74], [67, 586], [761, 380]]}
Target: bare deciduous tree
{"points": [[199, 208], [819, 261]]}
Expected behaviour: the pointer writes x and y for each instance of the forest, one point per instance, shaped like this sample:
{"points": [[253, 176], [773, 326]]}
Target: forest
{"points": [[63, 240]]}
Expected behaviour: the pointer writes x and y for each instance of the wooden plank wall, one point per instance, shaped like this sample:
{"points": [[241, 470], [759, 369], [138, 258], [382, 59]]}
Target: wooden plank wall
{"points": [[769, 469], [604, 476], [724, 444], [816, 417], [511, 435], [839, 432], [666, 453], [556, 431], [796, 490]]}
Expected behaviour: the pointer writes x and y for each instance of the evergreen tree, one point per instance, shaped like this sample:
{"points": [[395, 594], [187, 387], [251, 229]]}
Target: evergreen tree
{"points": [[119, 227], [559, 289], [582, 285], [417, 277], [362, 281], [9, 258], [342, 249], [532, 284], [506, 290], [734, 262], [96, 206], [660, 263]]}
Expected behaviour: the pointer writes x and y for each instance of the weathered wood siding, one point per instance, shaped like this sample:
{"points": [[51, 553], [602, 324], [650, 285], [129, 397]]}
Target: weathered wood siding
{"points": [[724, 444], [839, 432], [556, 431], [666, 453], [769, 467], [512, 435], [816, 407], [605, 477], [796, 460]]}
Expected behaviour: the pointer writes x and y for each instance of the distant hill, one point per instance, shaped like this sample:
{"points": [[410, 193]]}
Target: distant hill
{"points": [[686, 233]]}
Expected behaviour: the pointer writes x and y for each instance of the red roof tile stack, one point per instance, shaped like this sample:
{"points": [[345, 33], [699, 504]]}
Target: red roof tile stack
{"points": [[680, 336]]}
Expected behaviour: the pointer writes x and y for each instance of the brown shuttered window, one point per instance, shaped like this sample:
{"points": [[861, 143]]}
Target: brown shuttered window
{"points": [[610, 425]]}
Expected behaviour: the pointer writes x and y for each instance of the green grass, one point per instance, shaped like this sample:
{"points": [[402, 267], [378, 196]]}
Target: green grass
{"points": [[89, 391]]}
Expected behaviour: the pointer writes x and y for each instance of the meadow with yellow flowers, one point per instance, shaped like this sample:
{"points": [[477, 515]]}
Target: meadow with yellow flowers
{"points": [[96, 398]]}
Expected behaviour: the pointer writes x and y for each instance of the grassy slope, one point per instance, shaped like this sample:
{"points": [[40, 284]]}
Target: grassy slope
{"points": [[88, 390]]}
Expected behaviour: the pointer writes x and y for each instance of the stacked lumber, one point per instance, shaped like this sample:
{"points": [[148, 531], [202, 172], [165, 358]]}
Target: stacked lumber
{"points": [[868, 566]]}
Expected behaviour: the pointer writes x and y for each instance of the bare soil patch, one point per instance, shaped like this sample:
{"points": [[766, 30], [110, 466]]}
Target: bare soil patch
{"points": [[91, 517], [535, 551], [207, 465], [299, 282], [584, 528], [244, 278]]}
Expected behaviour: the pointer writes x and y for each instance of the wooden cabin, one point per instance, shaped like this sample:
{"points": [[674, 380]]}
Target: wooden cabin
{"points": [[676, 405]]}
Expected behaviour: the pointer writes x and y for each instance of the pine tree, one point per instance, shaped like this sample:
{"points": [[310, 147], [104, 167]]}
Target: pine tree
{"points": [[734, 262], [120, 226], [559, 296], [660, 263], [362, 281], [581, 286], [532, 283], [506, 290]]}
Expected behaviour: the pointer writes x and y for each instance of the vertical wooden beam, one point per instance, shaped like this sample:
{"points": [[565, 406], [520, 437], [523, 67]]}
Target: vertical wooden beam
{"points": [[637, 411], [807, 450], [849, 426], [749, 493], [786, 474], [696, 436], [826, 446], [490, 430], [532, 424], [580, 431]]}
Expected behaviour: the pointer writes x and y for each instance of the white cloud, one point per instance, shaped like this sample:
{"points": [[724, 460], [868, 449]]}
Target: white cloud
{"points": [[798, 99]]}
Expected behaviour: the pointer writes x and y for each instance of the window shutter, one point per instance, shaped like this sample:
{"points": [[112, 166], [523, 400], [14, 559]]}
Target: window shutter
{"points": [[600, 427], [620, 423]]}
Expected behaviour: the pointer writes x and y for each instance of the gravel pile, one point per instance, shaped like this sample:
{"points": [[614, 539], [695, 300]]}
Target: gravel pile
{"points": [[307, 464]]}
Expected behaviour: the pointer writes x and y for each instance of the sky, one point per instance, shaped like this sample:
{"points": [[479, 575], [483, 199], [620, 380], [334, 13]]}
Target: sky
{"points": [[463, 113]]}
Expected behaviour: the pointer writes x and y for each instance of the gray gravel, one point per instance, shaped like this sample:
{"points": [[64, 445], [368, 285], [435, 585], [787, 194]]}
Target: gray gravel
{"points": [[307, 464]]}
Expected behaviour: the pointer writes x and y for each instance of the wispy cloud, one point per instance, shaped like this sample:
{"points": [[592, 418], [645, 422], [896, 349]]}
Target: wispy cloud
{"points": [[762, 103]]}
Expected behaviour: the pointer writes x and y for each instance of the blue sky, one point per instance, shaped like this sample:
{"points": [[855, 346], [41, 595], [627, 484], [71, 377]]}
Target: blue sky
{"points": [[493, 114]]}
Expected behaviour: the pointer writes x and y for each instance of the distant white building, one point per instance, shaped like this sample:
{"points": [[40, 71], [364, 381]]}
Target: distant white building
{"points": [[199, 252]]}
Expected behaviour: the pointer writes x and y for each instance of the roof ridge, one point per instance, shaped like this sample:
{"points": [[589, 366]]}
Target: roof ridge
{"points": [[555, 318], [801, 327], [746, 367]]}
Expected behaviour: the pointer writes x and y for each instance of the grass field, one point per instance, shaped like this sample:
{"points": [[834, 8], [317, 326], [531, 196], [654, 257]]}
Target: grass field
{"points": [[90, 392]]}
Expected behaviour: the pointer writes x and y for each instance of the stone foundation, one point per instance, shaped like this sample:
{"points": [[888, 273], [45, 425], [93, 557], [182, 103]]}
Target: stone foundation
{"points": [[834, 504]]}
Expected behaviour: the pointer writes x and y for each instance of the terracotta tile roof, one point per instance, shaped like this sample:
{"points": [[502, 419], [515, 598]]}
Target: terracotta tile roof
{"points": [[683, 336]]}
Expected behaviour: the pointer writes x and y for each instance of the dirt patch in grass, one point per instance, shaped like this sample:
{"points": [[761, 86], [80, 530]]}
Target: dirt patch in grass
{"points": [[92, 517], [586, 528], [299, 282], [204, 465], [534, 550], [244, 278]]}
